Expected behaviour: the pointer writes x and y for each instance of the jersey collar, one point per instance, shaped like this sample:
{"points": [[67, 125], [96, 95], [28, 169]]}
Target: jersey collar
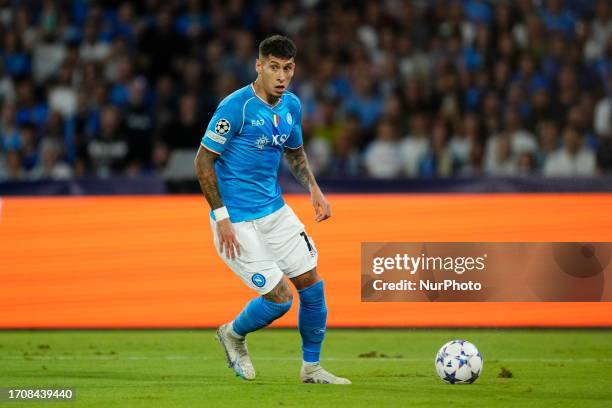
{"points": [[264, 101]]}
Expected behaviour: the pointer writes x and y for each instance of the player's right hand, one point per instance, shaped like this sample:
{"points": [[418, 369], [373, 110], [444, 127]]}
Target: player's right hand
{"points": [[228, 243]]}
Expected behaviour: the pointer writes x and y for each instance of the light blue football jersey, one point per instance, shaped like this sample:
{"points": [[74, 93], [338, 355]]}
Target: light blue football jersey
{"points": [[250, 135]]}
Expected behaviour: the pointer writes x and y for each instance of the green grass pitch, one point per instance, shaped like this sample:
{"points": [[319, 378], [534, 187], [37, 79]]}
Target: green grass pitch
{"points": [[186, 368]]}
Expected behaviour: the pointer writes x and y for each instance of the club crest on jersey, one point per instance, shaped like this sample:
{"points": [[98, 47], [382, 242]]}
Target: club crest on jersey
{"points": [[222, 127], [262, 142], [289, 118], [275, 119]]}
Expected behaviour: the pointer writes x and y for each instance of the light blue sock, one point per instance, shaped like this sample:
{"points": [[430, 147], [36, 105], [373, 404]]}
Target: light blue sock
{"points": [[258, 313], [311, 321]]}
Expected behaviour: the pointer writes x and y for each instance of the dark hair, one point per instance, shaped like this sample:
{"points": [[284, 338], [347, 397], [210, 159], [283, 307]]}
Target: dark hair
{"points": [[277, 46]]}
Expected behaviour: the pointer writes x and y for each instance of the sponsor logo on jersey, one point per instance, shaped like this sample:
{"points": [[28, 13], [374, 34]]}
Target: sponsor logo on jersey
{"points": [[277, 140], [258, 280], [215, 137], [275, 119], [257, 122], [262, 142]]}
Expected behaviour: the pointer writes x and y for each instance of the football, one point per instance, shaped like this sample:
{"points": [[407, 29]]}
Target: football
{"points": [[459, 362]]}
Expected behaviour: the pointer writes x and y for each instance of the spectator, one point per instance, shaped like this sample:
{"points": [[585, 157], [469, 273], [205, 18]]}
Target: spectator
{"points": [[519, 140], [326, 129], [491, 113], [7, 86], [604, 156], [382, 159], [243, 59], [10, 138], [438, 160], [16, 61], [573, 159], [526, 164], [478, 11], [29, 147], [326, 125], [392, 110], [50, 167], [365, 103], [603, 118], [161, 45], [600, 31], [93, 49], [165, 101], [186, 131], [138, 125], [121, 72], [414, 145], [159, 158], [577, 119], [556, 18], [30, 110], [346, 159], [549, 141], [108, 151], [461, 143], [528, 77], [475, 165], [503, 162], [568, 91], [540, 108], [47, 57], [14, 169], [63, 96]]}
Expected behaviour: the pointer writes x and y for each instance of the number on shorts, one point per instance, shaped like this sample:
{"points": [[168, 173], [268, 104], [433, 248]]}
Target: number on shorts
{"points": [[307, 241]]}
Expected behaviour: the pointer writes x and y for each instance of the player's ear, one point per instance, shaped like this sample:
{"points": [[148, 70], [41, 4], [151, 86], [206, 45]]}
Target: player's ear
{"points": [[258, 65]]}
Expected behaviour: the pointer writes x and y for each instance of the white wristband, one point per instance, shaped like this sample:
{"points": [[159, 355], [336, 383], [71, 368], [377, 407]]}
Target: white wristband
{"points": [[221, 214]]}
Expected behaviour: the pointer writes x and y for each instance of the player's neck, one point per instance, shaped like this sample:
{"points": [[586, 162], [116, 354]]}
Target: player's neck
{"points": [[261, 93]]}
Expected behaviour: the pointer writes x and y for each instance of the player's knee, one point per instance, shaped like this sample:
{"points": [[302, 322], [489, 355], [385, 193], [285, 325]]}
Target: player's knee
{"points": [[280, 294], [306, 280], [285, 296], [279, 309], [313, 297], [278, 300]]}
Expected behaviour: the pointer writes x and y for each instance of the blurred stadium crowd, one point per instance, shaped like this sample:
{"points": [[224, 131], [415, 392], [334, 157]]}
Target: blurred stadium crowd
{"points": [[389, 88]]}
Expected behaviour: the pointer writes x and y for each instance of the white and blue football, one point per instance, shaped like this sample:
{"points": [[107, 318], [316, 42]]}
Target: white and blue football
{"points": [[459, 362]]}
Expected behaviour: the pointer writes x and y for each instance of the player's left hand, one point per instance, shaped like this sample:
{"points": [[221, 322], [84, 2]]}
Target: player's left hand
{"points": [[320, 204]]}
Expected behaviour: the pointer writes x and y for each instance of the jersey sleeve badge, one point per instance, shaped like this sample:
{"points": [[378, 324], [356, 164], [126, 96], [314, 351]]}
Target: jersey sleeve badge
{"points": [[222, 127]]}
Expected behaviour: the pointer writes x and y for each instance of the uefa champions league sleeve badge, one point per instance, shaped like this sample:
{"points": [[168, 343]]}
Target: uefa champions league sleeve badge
{"points": [[222, 127]]}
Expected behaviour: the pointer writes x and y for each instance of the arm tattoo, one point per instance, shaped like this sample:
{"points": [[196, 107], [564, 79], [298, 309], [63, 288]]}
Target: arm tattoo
{"points": [[298, 164], [205, 169]]}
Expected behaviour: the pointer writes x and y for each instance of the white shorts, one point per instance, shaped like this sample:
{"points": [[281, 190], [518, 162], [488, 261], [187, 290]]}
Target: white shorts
{"points": [[270, 246]]}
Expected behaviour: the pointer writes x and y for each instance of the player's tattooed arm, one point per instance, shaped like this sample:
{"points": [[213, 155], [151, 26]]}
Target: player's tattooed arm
{"points": [[298, 164], [205, 170]]}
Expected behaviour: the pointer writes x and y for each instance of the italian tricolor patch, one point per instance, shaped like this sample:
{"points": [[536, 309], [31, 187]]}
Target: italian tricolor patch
{"points": [[275, 119]]}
